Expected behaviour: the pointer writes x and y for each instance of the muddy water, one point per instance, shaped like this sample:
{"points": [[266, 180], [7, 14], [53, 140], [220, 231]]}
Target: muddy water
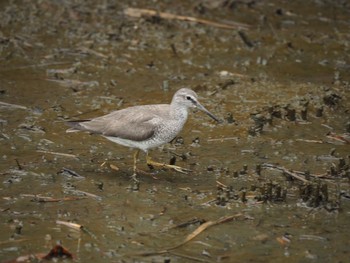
{"points": [[69, 61]]}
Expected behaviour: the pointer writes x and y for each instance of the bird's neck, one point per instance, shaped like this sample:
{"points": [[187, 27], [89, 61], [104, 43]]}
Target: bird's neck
{"points": [[178, 112]]}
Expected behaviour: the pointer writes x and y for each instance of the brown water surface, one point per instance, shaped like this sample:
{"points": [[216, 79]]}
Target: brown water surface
{"points": [[285, 80]]}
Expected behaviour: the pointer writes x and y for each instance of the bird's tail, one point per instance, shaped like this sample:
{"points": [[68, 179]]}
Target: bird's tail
{"points": [[76, 125]]}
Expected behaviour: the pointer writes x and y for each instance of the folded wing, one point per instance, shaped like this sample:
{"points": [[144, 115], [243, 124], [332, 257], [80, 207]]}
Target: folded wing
{"points": [[135, 123]]}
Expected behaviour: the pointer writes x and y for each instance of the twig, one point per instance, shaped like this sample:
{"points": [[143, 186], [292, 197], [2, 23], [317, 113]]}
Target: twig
{"points": [[13, 241], [68, 83], [209, 202], [273, 31], [57, 153], [222, 139], [76, 227], [10, 105], [19, 166], [195, 233], [86, 193], [69, 224], [61, 71], [341, 138], [312, 141], [327, 158], [220, 184], [245, 39], [138, 12], [312, 237], [284, 170], [185, 224], [39, 65], [71, 173], [296, 174], [208, 224], [44, 199], [93, 52]]}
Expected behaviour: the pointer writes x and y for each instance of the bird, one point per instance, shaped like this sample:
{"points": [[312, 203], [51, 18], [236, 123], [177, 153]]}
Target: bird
{"points": [[144, 127]]}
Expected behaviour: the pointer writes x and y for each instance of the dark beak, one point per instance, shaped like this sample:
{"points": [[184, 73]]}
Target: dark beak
{"points": [[202, 108]]}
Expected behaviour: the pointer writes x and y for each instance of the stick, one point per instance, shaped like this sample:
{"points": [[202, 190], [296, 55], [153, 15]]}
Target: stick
{"points": [[297, 174], [138, 12], [208, 224], [222, 139], [68, 83], [209, 202], [69, 224], [10, 105], [71, 173], [195, 233], [40, 65], [185, 224], [282, 169], [312, 141], [76, 227], [245, 39], [57, 153], [13, 241], [90, 51], [338, 137], [87, 194], [44, 199], [221, 184]]}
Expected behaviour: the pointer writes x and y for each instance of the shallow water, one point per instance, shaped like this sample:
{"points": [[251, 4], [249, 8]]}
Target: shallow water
{"points": [[81, 60]]}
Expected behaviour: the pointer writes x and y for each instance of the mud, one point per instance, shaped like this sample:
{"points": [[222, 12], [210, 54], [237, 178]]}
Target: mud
{"points": [[280, 158]]}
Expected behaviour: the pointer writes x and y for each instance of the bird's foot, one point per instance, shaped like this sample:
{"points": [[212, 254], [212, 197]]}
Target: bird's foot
{"points": [[134, 178], [152, 174], [168, 166], [135, 183]]}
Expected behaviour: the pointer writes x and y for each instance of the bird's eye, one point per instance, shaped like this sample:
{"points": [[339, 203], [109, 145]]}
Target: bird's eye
{"points": [[188, 98]]}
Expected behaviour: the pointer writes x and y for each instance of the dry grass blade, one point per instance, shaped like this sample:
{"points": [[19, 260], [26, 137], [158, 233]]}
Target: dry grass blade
{"points": [[57, 153], [139, 12], [208, 224], [286, 171], [69, 224], [77, 227], [199, 230], [79, 192], [13, 106], [339, 138], [46, 199], [195, 233]]}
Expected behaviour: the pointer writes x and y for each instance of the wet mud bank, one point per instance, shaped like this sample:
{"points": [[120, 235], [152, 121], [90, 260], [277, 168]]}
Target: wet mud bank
{"points": [[270, 183]]}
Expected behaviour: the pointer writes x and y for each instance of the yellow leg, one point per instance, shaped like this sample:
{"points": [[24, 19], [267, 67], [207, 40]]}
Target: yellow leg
{"points": [[164, 165], [136, 155]]}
